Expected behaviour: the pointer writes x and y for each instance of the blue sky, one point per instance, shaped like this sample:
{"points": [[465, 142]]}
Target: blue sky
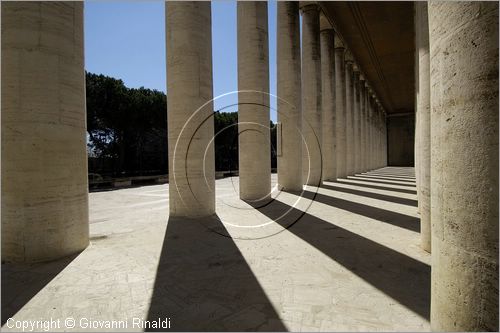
{"points": [[126, 40]]}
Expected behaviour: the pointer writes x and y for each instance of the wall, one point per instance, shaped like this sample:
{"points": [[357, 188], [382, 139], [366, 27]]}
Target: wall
{"points": [[400, 139]]}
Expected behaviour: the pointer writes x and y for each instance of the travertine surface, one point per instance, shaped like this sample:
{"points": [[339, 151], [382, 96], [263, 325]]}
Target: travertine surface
{"points": [[350, 261], [189, 85], [349, 120], [289, 134], [464, 165], [328, 111], [44, 157], [424, 124], [311, 96], [340, 103], [253, 98]]}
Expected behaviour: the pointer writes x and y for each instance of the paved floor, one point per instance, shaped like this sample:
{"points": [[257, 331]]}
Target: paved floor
{"points": [[344, 257]]}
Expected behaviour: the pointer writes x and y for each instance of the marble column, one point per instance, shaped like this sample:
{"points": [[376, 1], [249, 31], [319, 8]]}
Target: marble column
{"points": [[189, 86], [356, 121], [464, 165], [340, 110], [311, 96], [253, 99], [349, 106], [289, 97], [44, 158], [328, 117], [424, 127]]}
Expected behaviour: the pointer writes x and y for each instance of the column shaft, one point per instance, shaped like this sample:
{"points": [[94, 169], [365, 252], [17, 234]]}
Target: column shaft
{"points": [[349, 119], [372, 134], [366, 151], [253, 98], [340, 110], [356, 123], [362, 137], [190, 109], [328, 104], [464, 165], [44, 157], [311, 96], [289, 97], [424, 128]]}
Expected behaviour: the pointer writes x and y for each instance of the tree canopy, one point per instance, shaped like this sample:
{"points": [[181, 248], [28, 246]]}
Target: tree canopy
{"points": [[127, 130]]}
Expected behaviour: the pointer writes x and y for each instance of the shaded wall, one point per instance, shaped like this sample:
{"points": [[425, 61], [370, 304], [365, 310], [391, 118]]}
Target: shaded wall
{"points": [[400, 140]]}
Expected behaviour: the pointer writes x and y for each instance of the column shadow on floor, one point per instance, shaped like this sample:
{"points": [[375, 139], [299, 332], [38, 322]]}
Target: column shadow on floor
{"points": [[396, 219], [203, 282], [378, 182], [402, 182], [384, 197], [402, 278], [382, 174], [375, 187], [21, 282]]}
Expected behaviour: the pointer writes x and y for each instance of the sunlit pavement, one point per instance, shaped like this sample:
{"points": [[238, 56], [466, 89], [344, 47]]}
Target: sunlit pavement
{"points": [[349, 261]]}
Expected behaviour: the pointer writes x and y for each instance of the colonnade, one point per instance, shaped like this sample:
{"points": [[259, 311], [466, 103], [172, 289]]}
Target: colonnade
{"points": [[331, 124], [457, 159]]}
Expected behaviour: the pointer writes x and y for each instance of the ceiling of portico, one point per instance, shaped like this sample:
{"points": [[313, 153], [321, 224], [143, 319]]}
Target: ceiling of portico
{"points": [[380, 36]]}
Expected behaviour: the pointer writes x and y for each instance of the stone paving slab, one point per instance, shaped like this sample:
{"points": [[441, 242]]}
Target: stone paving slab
{"points": [[348, 261]]}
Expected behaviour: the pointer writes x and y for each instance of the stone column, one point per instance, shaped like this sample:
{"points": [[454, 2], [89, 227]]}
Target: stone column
{"points": [[424, 128], [289, 97], [366, 151], [375, 135], [385, 141], [253, 99], [44, 157], [190, 109], [372, 132], [417, 132], [311, 96], [349, 106], [379, 138], [464, 165], [328, 104], [340, 97], [329, 149], [362, 115], [356, 120], [369, 131]]}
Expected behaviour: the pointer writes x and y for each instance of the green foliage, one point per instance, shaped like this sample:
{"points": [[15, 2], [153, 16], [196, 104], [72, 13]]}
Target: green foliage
{"points": [[127, 130]]}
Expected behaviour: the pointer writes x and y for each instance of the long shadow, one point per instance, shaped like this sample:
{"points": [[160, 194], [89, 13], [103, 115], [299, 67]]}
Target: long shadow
{"points": [[347, 182], [403, 176], [21, 282], [203, 282], [389, 198], [379, 214], [382, 178], [402, 278], [370, 180]]}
